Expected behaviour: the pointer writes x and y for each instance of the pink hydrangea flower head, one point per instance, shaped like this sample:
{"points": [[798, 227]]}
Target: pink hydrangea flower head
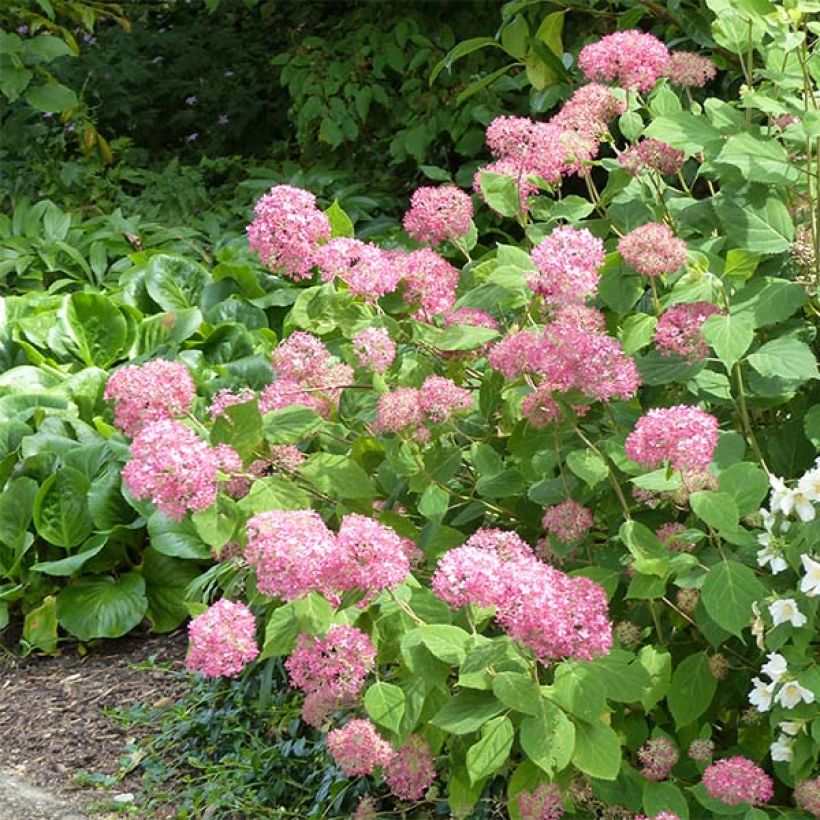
{"points": [[441, 398], [285, 393], [366, 809], [653, 250], [412, 770], [319, 706], [807, 796], [286, 458], [301, 357], [690, 70], [651, 155], [543, 803], [429, 280], [589, 110], [337, 663], [679, 330], [580, 317], [469, 575], [513, 354], [568, 261], [568, 521], [670, 536], [438, 214], [369, 557], [472, 317], [150, 392], [374, 349], [291, 551], [527, 148], [631, 58], [399, 410], [738, 780], [358, 749], [222, 640], [227, 398], [579, 148], [366, 269], [504, 543], [657, 758], [540, 409], [510, 168], [174, 468], [701, 751], [684, 436], [287, 229]]}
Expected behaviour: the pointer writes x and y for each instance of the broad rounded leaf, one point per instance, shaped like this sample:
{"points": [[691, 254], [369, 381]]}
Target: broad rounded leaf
{"points": [[51, 97], [728, 592], [101, 606], [60, 509], [385, 703], [490, 753], [692, 690]]}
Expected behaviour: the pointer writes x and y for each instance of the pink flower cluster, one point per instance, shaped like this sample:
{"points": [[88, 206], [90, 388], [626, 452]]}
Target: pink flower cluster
{"points": [[653, 250], [589, 110], [678, 331], [684, 436], [540, 409], [150, 392], [358, 749], [568, 261], [567, 521], [657, 757], [556, 616], [222, 640], [294, 553], [534, 148], [807, 796], [438, 214], [412, 770], [286, 229], [632, 58], [690, 70], [670, 536], [738, 780], [174, 468], [429, 281], [472, 317], [651, 155], [366, 269], [543, 803], [374, 349], [410, 408], [227, 398]]}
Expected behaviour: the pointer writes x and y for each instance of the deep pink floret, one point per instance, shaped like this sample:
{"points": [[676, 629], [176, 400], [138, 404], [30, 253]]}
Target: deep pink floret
{"points": [[631, 58], [438, 214], [412, 770], [222, 640], [653, 250], [568, 262], [738, 780]]}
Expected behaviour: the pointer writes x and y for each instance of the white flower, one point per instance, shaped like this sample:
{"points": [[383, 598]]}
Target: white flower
{"points": [[758, 627], [803, 505], [761, 696], [791, 693], [776, 666], [782, 751], [809, 485], [779, 493], [768, 555], [785, 611], [787, 501], [810, 583], [790, 727]]}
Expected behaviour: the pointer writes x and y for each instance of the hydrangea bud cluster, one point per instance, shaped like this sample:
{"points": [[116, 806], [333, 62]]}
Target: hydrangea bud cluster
{"points": [[366, 809], [568, 262], [653, 250], [374, 349], [679, 330], [657, 757], [631, 58], [412, 770], [738, 780], [286, 230], [684, 436], [174, 468], [222, 640], [543, 803], [438, 214], [807, 796], [358, 749], [366, 269], [651, 155], [690, 70], [701, 751], [150, 392], [568, 521]]}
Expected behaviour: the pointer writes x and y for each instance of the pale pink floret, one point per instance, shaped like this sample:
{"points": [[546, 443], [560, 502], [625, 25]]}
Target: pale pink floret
{"points": [[227, 398], [568, 521], [472, 317], [174, 468], [284, 393], [631, 58], [513, 354], [653, 250], [684, 436], [651, 155], [657, 757], [533, 148], [286, 458], [543, 803], [412, 770], [150, 392], [503, 543], [366, 269], [568, 261], [589, 110], [222, 640], [540, 409], [690, 70], [399, 410], [337, 664], [670, 536], [807, 796], [441, 398], [291, 551], [374, 349], [429, 281], [438, 214], [287, 229], [358, 749], [469, 575], [678, 331], [300, 357], [738, 780]]}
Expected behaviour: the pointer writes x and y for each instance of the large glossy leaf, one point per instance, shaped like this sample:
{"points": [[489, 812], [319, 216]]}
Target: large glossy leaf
{"points": [[174, 282], [490, 753], [692, 690], [176, 539], [16, 503], [728, 592], [597, 750], [60, 508], [166, 580], [96, 326], [102, 606], [385, 703]]}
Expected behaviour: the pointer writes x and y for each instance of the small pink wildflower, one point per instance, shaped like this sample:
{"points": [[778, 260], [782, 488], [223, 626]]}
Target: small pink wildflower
{"points": [[653, 250], [438, 214], [632, 58], [543, 803], [374, 349], [358, 749], [222, 640], [684, 436], [568, 261], [440, 398], [412, 770], [146, 393], [567, 521], [657, 757], [807, 796], [738, 780], [678, 331], [651, 155], [690, 70], [286, 230]]}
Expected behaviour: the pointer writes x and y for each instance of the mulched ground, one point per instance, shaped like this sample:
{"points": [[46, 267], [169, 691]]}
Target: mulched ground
{"points": [[51, 709]]}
